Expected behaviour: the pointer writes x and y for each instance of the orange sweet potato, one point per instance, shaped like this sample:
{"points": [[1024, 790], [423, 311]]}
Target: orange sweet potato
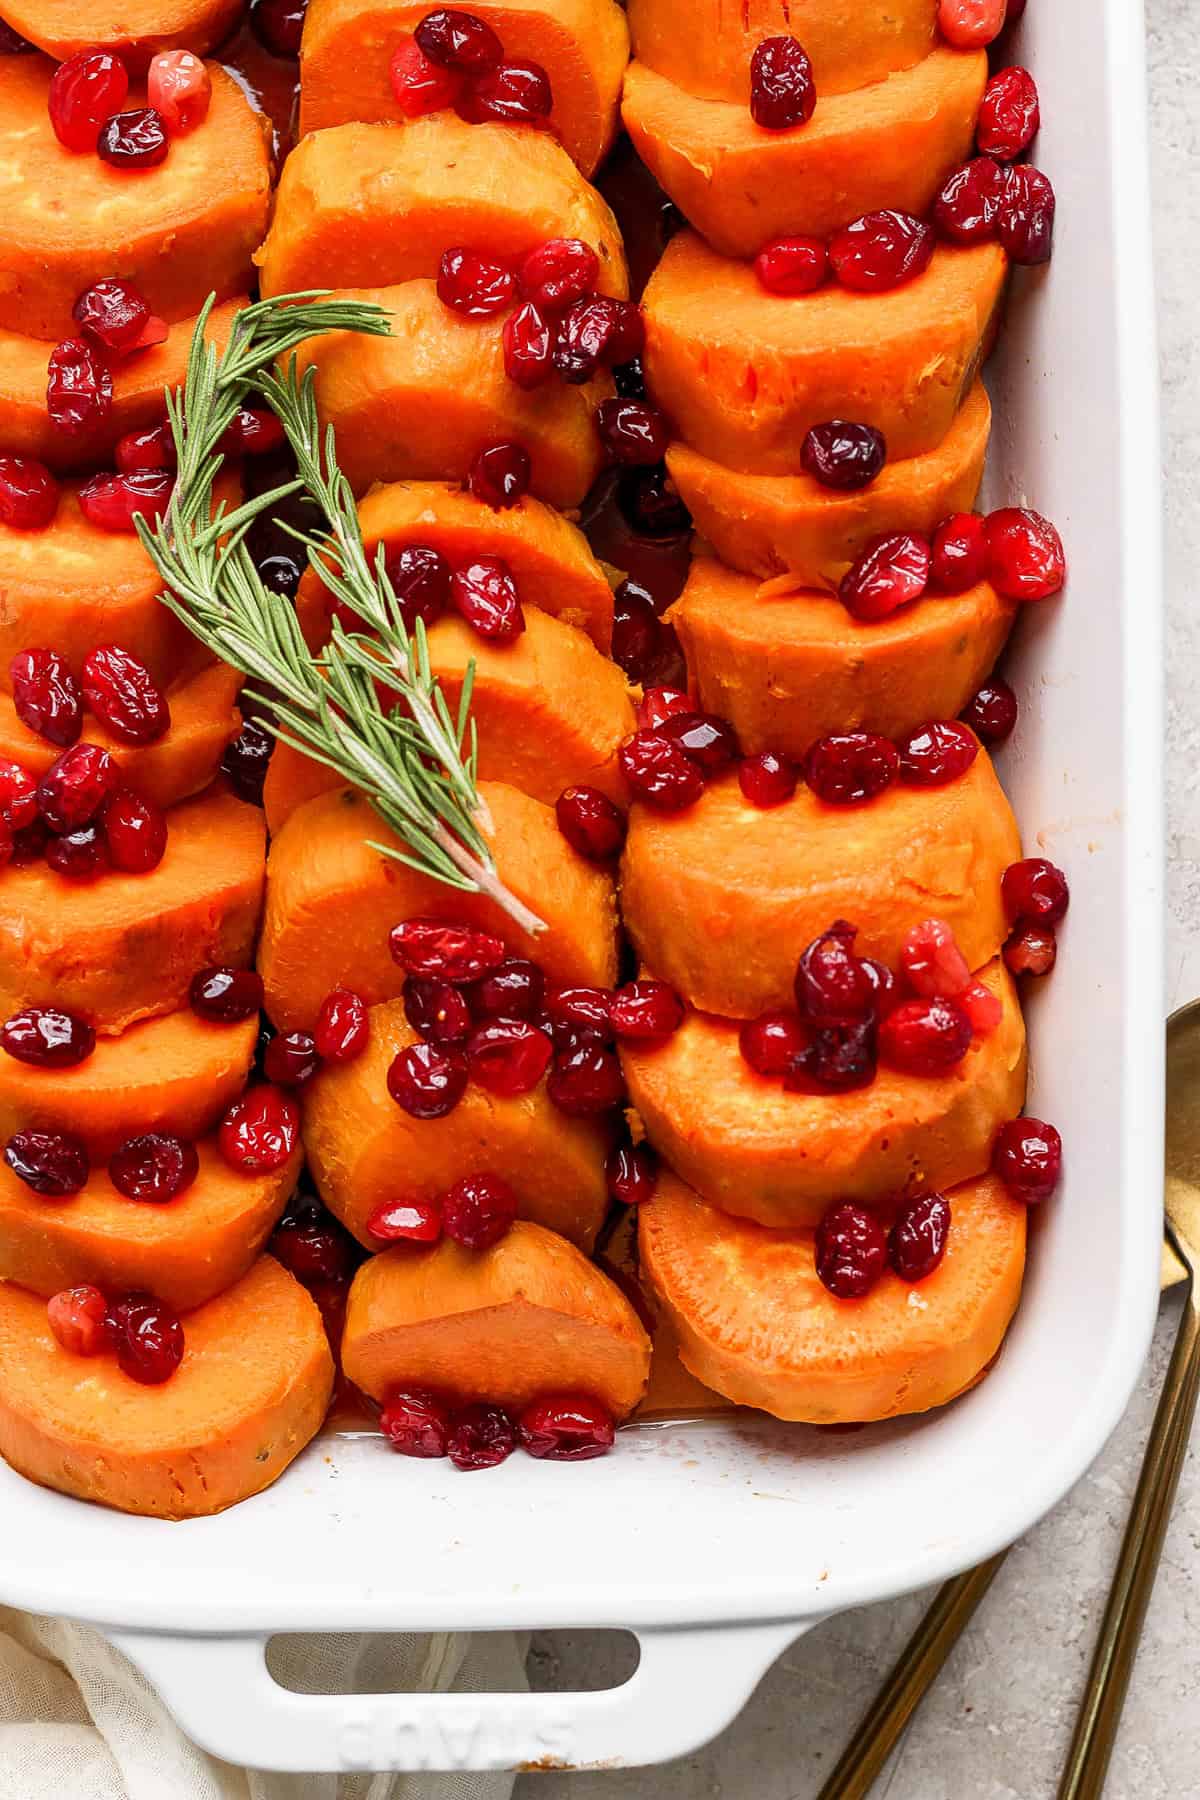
{"points": [[176, 1073], [582, 44], [784, 669], [251, 1391], [380, 203], [891, 145], [672, 1392], [420, 404], [745, 374], [780, 1158], [180, 231], [136, 28], [332, 900], [364, 1150], [788, 529], [529, 1316], [125, 948], [722, 899], [755, 1322]]}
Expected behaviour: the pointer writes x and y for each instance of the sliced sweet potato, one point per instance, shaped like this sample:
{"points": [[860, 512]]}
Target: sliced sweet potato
{"points": [[380, 203], [755, 1322], [529, 1316], [176, 1073], [890, 145], [745, 374], [420, 404], [251, 1391], [136, 28], [788, 529], [722, 899], [582, 44], [125, 947], [180, 231], [781, 1158], [784, 669], [705, 46], [332, 901], [672, 1392], [364, 1150]]}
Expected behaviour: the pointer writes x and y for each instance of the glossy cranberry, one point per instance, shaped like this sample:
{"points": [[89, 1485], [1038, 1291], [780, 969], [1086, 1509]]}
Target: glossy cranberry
{"points": [[52, 1163], [597, 332], [29, 844], [75, 787], [253, 431], [566, 1428], [557, 273], [481, 1436], [991, 712], [260, 1132], [1026, 560], [659, 773], [420, 577], [631, 1173], [1034, 892], [291, 1059], [46, 696], [1027, 1156], [515, 93], [76, 1317], [445, 949], [343, 1026], [121, 691], [645, 1011], [79, 386], [508, 1056], [427, 1080], [782, 90], [832, 987], [893, 572], [1032, 950], [925, 1037], [984, 1009], [843, 455], [78, 855], [113, 313], [772, 1042], [134, 140], [767, 780], [473, 285], [418, 85], [416, 1423], [406, 1222], [484, 593], [959, 555], [880, 251], [499, 475], [28, 494], [225, 996], [792, 265], [851, 1251], [936, 753], [658, 704], [13, 44], [18, 795], [153, 448], [592, 824], [850, 767], [970, 24], [278, 25], [112, 502], [528, 342], [932, 962], [650, 504], [312, 1246], [478, 1211], [579, 1014], [1025, 224], [643, 644], [967, 210], [454, 39], [246, 761], [436, 1011], [179, 88], [884, 986], [1009, 115], [515, 990], [633, 431], [84, 91], [585, 1081], [48, 1037], [147, 1337], [154, 1167], [917, 1240], [706, 739]]}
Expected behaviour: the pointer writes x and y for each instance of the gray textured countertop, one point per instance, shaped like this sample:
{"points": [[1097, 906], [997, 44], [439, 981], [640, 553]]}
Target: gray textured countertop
{"points": [[997, 1725]]}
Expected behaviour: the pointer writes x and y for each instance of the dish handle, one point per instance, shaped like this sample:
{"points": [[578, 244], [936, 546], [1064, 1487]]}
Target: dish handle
{"points": [[689, 1684]]}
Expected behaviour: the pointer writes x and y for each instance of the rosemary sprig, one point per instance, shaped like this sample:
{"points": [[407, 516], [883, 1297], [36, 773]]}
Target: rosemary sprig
{"points": [[413, 761]]}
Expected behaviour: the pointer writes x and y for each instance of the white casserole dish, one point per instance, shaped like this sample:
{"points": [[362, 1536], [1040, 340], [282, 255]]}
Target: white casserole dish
{"points": [[721, 1543]]}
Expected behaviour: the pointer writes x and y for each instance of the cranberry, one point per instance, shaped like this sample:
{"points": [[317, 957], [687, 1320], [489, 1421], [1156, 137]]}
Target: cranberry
{"points": [[586, 1080], [121, 691], [592, 824], [658, 704], [706, 739], [645, 1011], [478, 1211], [473, 285], [1027, 1156], [882, 250], [47, 1037], [566, 1428], [832, 987], [18, 795], [917, 1240], [147, 1337], [415, 1423], [557, 273], [516, 93], [113, 502], [260, 1131], [851, 1251], [959, 555], [28, 494], [932, 962], [970, 24], [406, 1222], [660, 773], [631, 1173], [1026, 560], [418, 85], [967, 211], [499, 475], [134, 140], [1009, 115], [459, 40], [844, 455], [154, 1167], [29, 844], [484, 593], [1032, 950], [983, 1008], [343, 1026], [46, 697], [79, 386], [836, 1059], [850, 767], [632, 431], [436, 1011], [773, 1041], [597, 331], [278, 25], [937, 753], [991, 712], [445, 949], [1034, 892], [650, 504], [893, 572], [225, 996], [428, 1081], [312, 1246], [179, 88], [643, 644], [508, 1056], [84, 91], [481, 1436], [420, 578], [246, 761], [925, 1037], [153, 448], [1025, 225], [291, 1059], [76, 1317], [78, 855], [53, 1163], [13, 44], [792, 265], [767, 780], [528, 343], [113, 313], [576, 1014], [253, 431], [75, 787], [512, 991], [782, 90]]}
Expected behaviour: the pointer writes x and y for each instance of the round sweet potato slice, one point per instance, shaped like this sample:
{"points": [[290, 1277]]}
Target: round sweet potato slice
{"points": [[755, 1322], [364, 1150], [332, 901], [251, 1391], [781, 1158], [722, 899], [135, 28], [180, 232], [582, 44], [529, 1316], [746, 374], [380, 203], [785, 669]]}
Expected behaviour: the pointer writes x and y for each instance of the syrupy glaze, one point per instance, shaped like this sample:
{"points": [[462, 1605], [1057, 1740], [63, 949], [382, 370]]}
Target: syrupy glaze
{"points": [[270, 83]]}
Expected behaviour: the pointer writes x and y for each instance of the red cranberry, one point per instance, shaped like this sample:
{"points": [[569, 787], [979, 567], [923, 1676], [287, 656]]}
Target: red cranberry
{"points": [[134, 140], [782, 90], [47, 1037], [46, 695], [406, 1222], [991, 712], [917, 1240], [1026, 560], [75, 787], [851, 1251], [113, 502], [18, 795], [508, 1056], [649, 503], [959, 555], [478, 1211], [1027, 1156], [832, 987], [436, 1011], [576, 1014], [52, 1163], [252, 431], [427, 1081], [970, 24], [278, 25], [445, 949], [1032, 950], [418, 85], [892, 573], [792, 265], [1025, 225], [937, 753], [658, 704], [645, 1011], [484, 593], [415, 1423], [932, 962], [420, 577], [312, 1246], [343, 1026], [153, 448], [76, 1317], [528, 343], [28, 494], [1009, 115], [113, 312], [558, 272], [499, 475], [632, 1174], [850, 767], [225, 996], [643, 644], [925, 1037], [772, 1042], [84, 91], [481, 1436], [459, 40], [79, 386], [473, 285], [291, 1059], [983, 1008], [135, 832], [595, 332], [260, 1131], [837, 1059], [1034, 892], [121, 691], [154, 1167], [78, 855], [566, 1428], [884, 986], [632, 431], [179, 88], [586, 1080], [767, 780], [516, 93], [246, 761], [967, 211], [660, 773], [512, 991], [706, 739], [29, 844], [844, 455], [592, 824], [148, 1338], [880, 251]]}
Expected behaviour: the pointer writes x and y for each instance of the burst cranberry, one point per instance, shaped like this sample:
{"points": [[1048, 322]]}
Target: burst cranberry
{"points": [[592, 824], [983, 1008], [767, 780], [528, 346], [643, 644], [420, 577], [343, 1026], [415, 1423], [836, 1060], [632, 1174], [773, 1041], [1027, 1156], [595, 332], [959, 555], [645, 1011], [586, 1080], [406, 1222], [844, 455], [660, 773], [991, 712], [575, 1014], [1032, 950], [792, 265], [312, 1246], [937, 753], [932, 962], [279, 25], [179, 88], [1026, 560], [970, 24], [113, 313], [478, 1211], [78, 855], [1034, 892], [925, 1037], [850, 767], [1009, 115], [76, 1317], [75, 787], [1025, 224], [512, 991], [84, 91], [225, 996], [892, 573], [154, 1167], [481, 1436], [246, 761], [882, 250], [706, 739], [79, 386], [134, 140], [515, 93], [291, 1059], [884, 986], [121, 691], [650, 504], [632, 431], [558, 272], [436, 1011], [967, 211], [459, 40], [445, 950], [148, 1338], [832, 987], [153, 448], [46, 695], [28, 494], [851, 1251], [658, 704], [566, 1428], [917, 1240], [18, 795], [427, 1080], [260, 1131], [473, 285], [418, 85], [52, 1163], [499, 475], [48, 1038], [252, 431], [112, 502], [508, 1056], [782, 90], [484, 593]]}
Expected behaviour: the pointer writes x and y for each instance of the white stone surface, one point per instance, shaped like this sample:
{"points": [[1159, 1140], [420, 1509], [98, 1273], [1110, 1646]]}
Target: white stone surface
{"points": [[996, 1726]]}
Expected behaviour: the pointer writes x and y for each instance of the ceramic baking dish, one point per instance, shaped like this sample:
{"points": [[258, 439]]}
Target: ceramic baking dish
{"points": [[720, 1543]]}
